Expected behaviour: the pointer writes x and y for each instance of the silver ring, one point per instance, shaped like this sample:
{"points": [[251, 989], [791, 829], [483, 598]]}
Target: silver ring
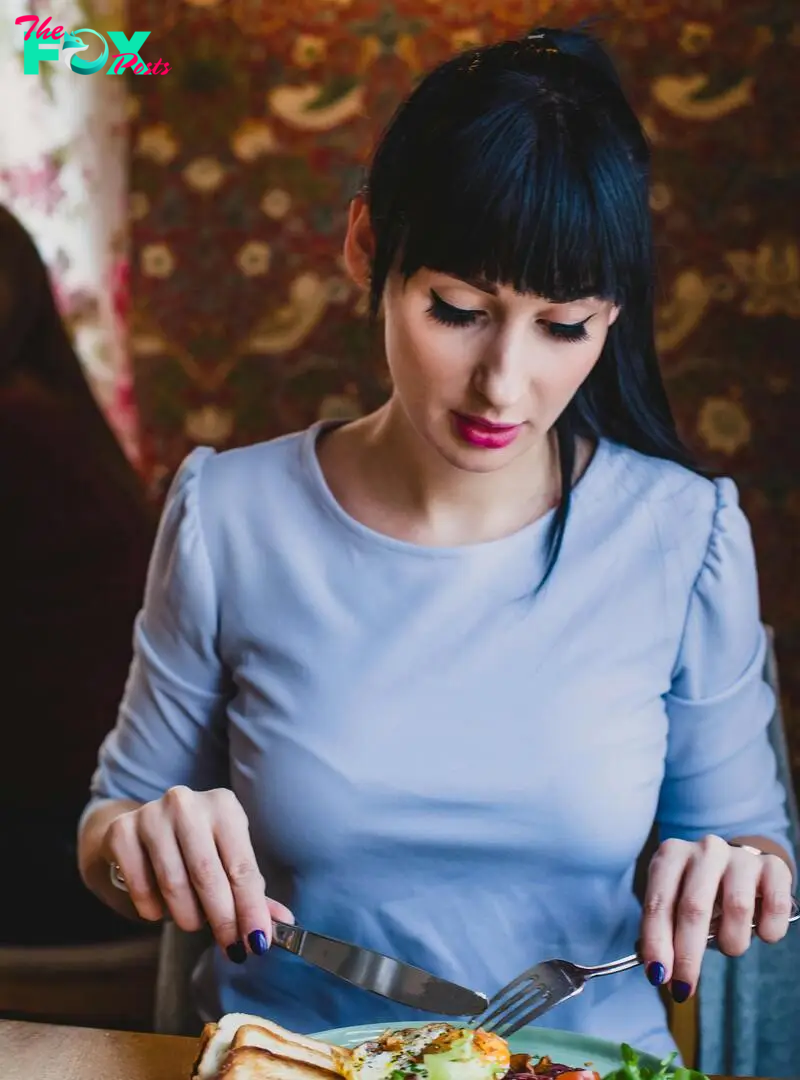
{"points": [[748, 848], [117, 880]]}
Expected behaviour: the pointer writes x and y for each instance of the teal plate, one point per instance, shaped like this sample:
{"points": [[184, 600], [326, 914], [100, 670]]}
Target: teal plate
{"points": [[565, 1047]]}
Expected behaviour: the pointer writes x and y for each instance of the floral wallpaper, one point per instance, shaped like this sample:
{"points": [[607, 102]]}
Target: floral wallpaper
{"points": [[63, 156], [245, 153]]}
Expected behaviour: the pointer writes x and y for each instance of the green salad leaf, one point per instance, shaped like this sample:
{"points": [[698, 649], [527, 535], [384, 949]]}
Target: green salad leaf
{"points": [[632, 1070]]}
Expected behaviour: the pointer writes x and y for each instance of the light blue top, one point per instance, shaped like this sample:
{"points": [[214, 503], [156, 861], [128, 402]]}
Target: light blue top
{"points": [[437, 762]]}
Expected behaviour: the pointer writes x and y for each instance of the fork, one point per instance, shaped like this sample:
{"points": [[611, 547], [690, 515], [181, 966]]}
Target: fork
{"points": [[545, 985]]}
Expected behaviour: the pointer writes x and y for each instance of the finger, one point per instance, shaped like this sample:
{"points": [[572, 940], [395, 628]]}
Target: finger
{"points": [[232, 835], [194, 838], [695, 910], [279, 912], [158, 837], [738, 901], [663, 885], [124, 848], [775, 907]]}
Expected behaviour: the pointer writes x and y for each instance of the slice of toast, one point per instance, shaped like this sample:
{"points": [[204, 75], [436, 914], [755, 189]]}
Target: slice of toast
{"points": [[215, 1042], [240, 1031], [285, 1044], [256, 1063]]}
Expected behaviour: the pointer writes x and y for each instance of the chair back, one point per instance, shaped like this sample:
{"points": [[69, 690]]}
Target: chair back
{"points": [[178, 957]]}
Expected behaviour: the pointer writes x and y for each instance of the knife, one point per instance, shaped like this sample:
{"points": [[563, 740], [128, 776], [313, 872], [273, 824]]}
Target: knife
{"points": [[369, 970], [378, 973]]}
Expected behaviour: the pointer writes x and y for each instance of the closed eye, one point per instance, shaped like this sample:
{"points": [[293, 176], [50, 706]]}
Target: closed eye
{"points": [[449, 315], [568, 331]]}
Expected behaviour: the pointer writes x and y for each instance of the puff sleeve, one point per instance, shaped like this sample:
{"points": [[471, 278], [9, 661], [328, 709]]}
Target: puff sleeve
{"points": [[721, 773], [171, 724]]}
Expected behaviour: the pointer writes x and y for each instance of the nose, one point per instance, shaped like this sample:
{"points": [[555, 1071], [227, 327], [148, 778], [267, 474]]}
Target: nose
{"points": [[502, 375]]}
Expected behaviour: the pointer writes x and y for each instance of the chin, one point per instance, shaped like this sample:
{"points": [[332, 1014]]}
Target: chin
{"points": [[474, 459]]}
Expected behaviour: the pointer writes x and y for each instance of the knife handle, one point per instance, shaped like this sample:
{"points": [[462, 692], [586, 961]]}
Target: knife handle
{"points": [[288, 937]]}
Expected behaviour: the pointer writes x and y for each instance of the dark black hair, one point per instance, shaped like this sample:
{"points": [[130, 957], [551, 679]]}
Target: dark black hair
{"points": [[38, 349], [523, 163]]}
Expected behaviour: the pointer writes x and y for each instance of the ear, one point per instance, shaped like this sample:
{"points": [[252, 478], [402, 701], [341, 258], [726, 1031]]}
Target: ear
{"points": [[359, 243], [614, 314]]}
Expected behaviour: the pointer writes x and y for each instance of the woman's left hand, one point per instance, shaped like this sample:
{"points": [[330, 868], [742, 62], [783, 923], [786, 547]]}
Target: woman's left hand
{"points": [[688, 885]]}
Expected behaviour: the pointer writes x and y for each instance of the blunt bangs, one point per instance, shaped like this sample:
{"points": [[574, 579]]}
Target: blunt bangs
{"points": [[510, 182]]}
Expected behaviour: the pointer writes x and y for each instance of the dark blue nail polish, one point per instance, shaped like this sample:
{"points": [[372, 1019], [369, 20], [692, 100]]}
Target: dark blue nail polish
{"points": [[656, 973], [257, 941], [237, 952], [680, 991]]}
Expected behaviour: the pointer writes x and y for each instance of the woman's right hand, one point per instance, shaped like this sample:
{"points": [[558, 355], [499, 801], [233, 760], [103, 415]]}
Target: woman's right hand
{"points": [[188, 855]]}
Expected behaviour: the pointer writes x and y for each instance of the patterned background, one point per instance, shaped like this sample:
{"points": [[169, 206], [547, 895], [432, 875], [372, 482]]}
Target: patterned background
{"points": [[63, 174], [245, 153]]}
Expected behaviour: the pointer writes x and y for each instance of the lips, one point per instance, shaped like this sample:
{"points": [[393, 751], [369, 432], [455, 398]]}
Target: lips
{"points": [[483, 433], [487, 425]]}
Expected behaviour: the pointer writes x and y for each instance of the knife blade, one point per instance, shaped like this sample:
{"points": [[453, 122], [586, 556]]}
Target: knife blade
{"points": [[379, 974]]}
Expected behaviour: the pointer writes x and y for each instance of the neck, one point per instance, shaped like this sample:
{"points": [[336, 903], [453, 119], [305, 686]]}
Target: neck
{"points": [[441, 504]]}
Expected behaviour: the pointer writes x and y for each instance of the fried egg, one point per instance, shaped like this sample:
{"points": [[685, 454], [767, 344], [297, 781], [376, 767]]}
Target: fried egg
{"points": [[435, 1051]]}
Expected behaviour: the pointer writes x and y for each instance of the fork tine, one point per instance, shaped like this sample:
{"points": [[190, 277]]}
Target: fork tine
{"points": [[509, 1021], [501, 1004], [497, 1001], [544, 1003]]}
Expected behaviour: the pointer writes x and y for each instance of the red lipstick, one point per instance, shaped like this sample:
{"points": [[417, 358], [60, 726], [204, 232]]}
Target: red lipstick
{"points": [[483, 433]]}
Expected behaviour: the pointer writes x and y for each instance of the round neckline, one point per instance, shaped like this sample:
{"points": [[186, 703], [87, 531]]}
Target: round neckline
{"points": [[521, 537]]}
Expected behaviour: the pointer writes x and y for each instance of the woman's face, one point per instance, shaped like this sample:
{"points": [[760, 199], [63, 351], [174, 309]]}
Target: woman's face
{"points": [[483, 372], [480, 372]]}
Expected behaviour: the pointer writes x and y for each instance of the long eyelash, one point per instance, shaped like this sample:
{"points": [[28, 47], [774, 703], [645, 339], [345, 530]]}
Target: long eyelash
{"points": [[568, 331], [447, 314]]}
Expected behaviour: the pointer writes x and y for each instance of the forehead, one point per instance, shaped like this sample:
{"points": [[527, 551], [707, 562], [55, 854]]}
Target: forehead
{"points": [[500, 290]]}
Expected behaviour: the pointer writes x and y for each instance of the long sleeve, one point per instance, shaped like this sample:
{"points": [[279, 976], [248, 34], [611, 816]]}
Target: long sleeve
{"points": [[721, 772], [171, 724]]}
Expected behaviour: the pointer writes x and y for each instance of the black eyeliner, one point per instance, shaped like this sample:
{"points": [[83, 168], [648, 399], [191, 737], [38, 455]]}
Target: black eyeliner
{"points": [[448, 314]]}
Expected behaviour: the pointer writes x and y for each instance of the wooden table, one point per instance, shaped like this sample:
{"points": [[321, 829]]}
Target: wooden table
{"points": [[48, 1052]]}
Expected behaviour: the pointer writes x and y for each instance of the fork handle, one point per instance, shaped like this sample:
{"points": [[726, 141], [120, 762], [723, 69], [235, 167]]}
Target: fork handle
{"points": [[625, 963]]}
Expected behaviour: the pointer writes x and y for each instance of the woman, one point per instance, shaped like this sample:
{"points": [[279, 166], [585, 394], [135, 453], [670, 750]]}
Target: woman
{"points": [[431, 675], [74, 546]]}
